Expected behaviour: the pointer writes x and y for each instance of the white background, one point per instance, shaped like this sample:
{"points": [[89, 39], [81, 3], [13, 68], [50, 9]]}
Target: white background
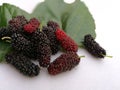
{"points": [[91, 73]]}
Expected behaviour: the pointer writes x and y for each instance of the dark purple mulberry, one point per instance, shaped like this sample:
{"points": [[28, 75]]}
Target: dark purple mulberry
{"points": [[16, 24], [44, 54], [4, 32], [20, 43], [23, 64], [42, 46], [53, 25], [54, 44], [93, 47], [63, 63]]}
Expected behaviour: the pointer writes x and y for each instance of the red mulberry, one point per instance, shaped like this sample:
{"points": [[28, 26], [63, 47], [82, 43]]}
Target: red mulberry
{"points": [[23, 64], [54, 44], [29, 28], [66, 42], [93, 47], [65, 62]]}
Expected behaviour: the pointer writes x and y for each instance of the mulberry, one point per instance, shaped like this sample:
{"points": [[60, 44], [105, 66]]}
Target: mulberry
{"points": [[54, 44], [4, 32], [19, 43], [53, 25], [23, 64], [29, 28], [44, 54], [32, 26], [42, 47], [34, 22], [65, 62], [17, 23], [66, 42], [93, 47], [39, 36]]}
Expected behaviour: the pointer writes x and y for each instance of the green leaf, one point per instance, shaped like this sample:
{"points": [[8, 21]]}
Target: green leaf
{"points": [[4, 48], [8, 11], [79, 22], [75, 19]]}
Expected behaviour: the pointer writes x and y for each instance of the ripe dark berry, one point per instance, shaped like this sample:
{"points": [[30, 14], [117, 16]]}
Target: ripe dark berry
{"points": [[54, 44], [93, 47], [21, 44], [4, 32], [65, 62], [66, 42], [17, 23], [42, 47], [43, 54], [23, 64], [18, 42], [53, 25]]}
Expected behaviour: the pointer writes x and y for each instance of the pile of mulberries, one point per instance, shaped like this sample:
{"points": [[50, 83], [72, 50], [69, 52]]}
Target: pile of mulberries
{"points": [[32, 43]]}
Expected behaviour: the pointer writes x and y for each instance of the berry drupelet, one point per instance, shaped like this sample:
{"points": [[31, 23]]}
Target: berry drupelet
{"points": [[66, 42], [65, 62], [93, 47], [54, 44], [23, 64]]}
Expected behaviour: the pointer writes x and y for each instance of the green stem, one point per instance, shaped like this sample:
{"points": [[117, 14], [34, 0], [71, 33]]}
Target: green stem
{"points": [[81, 56], [107, 56], [6, 38]]}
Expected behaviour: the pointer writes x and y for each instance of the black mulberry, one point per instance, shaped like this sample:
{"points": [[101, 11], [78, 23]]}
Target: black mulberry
{"points": [[16, 24], [93, 47], [20, 43], [23, 64], [4, 32], [54, 44], [41, 45], [63, 63], [44, 54], [53, 25]]}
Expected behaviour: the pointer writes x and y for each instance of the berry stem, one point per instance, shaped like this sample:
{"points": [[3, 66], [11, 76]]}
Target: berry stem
{"points": [[9, 41], [81, 56], [6, 38], [108, 56]]}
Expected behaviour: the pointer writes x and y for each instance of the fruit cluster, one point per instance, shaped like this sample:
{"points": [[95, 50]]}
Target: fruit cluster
{"points": [[29, 42]]}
